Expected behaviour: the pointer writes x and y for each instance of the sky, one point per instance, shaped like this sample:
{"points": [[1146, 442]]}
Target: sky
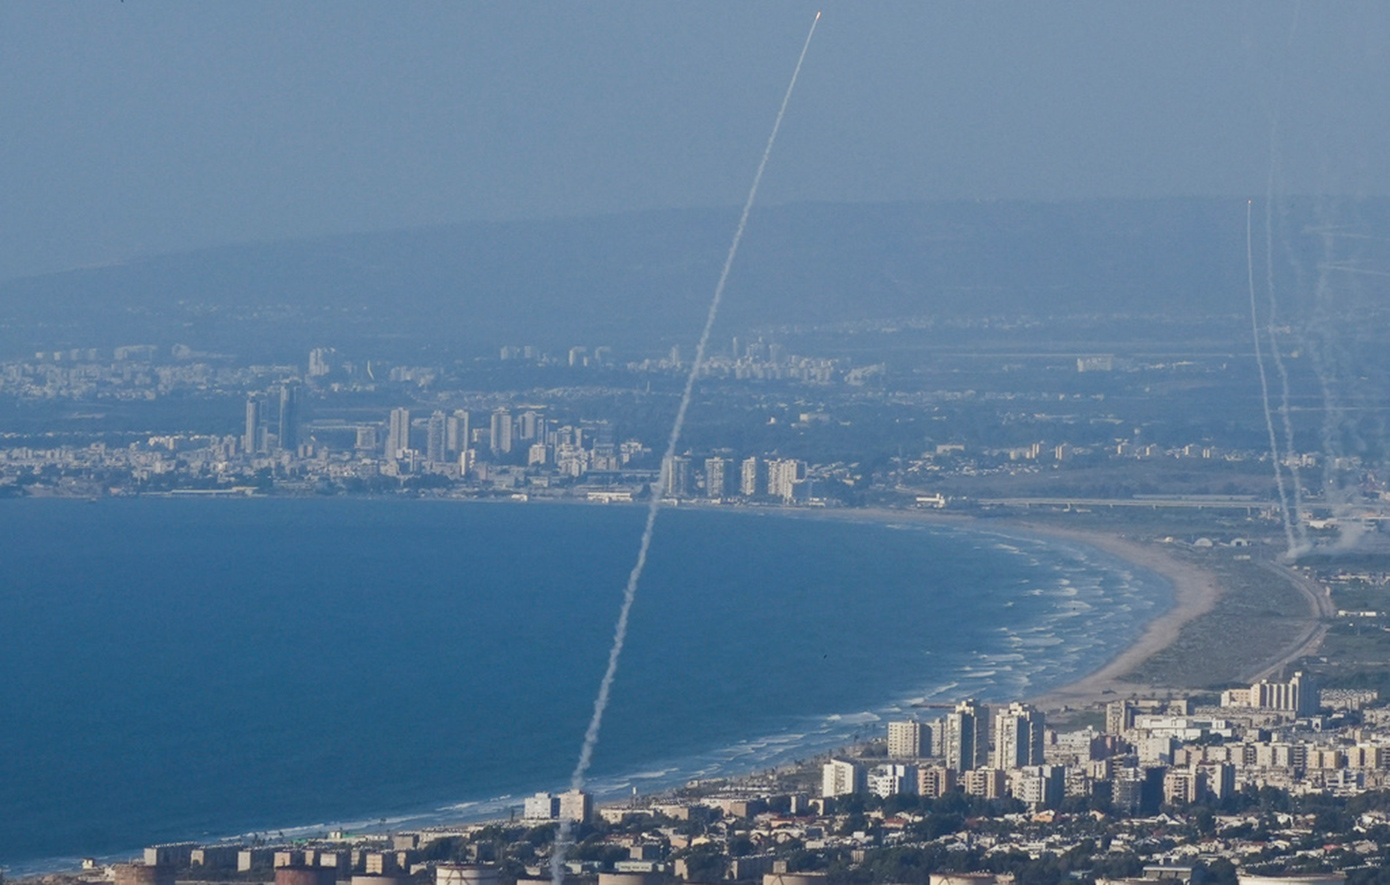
{"points": [[141, 127]]}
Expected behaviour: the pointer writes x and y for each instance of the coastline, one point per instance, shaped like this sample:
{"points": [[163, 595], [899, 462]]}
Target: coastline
{"points": [[1196, 592]]}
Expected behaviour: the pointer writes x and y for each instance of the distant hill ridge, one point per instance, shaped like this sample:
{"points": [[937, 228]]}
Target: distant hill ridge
{"points": [[639, 281]]}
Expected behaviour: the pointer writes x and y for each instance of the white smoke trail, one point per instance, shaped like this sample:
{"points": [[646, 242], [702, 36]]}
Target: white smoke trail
{"points": [[586, 752], [1264, 381], [1294, 525], [1297, 522]]}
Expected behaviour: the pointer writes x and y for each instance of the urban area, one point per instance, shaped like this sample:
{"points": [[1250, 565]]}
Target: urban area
{"points": [[1257, 784]]}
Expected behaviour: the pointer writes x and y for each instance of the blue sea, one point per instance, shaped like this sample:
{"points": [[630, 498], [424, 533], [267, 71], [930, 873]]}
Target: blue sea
{"points": [[178, 669]]}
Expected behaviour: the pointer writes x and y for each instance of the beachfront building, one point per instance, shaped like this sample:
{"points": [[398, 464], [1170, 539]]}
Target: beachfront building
{"points": [[841, 777], [909, 740], [965, 736], [542, 806], [1018, 736], [576, 806], [1299, 696]]}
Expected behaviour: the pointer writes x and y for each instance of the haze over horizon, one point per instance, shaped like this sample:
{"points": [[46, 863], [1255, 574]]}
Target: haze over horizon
{"points": [[147, 127]]}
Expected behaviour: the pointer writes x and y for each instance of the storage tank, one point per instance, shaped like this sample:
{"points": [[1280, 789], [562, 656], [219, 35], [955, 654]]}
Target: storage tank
{"points": [[632, 879], [374, 879], [463, 874], [301, 874], [144, 874]]}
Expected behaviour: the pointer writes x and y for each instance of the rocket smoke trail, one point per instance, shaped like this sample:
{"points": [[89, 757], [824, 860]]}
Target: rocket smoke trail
{"points": [[1293, 523], [564, 840], [1295, 480], [1264, 385]]}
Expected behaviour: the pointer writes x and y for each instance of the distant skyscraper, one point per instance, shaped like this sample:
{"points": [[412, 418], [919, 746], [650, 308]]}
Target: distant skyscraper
{"points": [[716, 477], [748, 485], [530, 426], [318, 362], [398, 435], [965, 736], [502, 431], [1018, 737], [251, 439], [675, 477], [289, 416], [782, 477], [456, 432], [434, 438]]}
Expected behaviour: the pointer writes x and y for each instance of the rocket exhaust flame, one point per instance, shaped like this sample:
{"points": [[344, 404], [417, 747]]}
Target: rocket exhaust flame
{"points": [[564, 840]]}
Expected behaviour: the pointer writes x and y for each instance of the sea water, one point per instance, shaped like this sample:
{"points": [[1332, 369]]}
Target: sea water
{"points": [[178, 669]]}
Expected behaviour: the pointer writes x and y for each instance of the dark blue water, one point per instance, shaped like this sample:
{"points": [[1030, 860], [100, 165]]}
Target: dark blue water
{"points": [[174, 669]]}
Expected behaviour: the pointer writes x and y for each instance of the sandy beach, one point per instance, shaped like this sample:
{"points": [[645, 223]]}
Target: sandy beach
{"points": [[1196, 590]]}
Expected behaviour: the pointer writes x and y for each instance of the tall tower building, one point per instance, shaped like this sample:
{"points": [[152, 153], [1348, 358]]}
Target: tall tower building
{"points": [[318, 362], [502, 431], [252, 438], [457, 431], [398, 434], [434, 438], [1018, 737], [289, 416], [716, 477], [748, 484], [675, 477], [782, 477], [530, 426], [965, 738]]}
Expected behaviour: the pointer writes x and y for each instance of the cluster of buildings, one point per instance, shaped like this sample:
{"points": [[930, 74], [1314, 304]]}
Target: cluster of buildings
{"points": [[1139, 776], [1151, 753], [988, 753]]}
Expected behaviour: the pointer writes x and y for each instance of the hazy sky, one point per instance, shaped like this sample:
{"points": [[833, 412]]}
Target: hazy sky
{"points": [[137, 127]]}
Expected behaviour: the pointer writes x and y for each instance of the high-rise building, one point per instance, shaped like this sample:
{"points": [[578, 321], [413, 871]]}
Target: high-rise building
{"points": [[434, 438], [965, 736], [909, 740], [782, 477], [318, 362], [252, 439], [398, 435], [576, 805], [675, 477], [716, 477], [289, 417], [502, 431], [749, 484], [530, 426], [542, 806], [1018, 737], [841, 777], [456, 432]]}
